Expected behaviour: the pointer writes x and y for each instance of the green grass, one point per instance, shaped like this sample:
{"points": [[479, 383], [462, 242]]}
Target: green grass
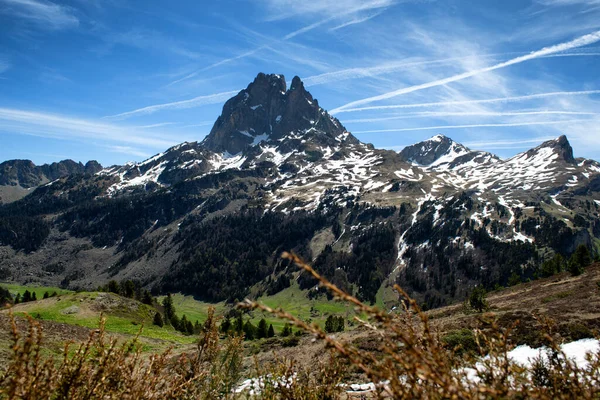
{"points": [[38, 290], [292, 300], [194, 310], [295, 301], [123, 321], [127, 317]]}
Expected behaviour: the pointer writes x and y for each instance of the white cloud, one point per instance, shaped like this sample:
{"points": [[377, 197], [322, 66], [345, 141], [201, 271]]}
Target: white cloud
{"points": [[283, 9], [177, 105], [444, 127], [128, 150], [578, 42], [437, 114], [509, 142], [56, 126], [333, 10], [355, 21], [476, 101], [44, 14]]}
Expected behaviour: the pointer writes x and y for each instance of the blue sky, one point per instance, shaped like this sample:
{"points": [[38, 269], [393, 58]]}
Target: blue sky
{"points": [[121, 80]]}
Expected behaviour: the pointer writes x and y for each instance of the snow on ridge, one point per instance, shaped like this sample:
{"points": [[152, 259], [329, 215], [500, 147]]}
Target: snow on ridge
{"points": [[151, 175]]}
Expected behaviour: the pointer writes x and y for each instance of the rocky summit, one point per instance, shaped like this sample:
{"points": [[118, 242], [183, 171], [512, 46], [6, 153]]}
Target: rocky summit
{"points": [[278, 173]]}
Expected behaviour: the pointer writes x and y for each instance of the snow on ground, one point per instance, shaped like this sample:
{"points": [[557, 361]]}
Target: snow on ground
{"points": [[521, 355]]}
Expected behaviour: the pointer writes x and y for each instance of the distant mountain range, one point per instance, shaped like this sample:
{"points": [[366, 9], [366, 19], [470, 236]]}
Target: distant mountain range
{"points": [[18, 177], [277, 172]]}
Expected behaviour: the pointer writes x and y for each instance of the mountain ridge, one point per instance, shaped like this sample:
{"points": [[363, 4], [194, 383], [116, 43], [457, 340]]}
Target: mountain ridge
{"points": [[210, 218]]}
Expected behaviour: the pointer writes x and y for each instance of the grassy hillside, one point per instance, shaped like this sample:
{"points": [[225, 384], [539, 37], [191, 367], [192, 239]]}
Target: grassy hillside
{"points": [[38, 290], [123, 316]]}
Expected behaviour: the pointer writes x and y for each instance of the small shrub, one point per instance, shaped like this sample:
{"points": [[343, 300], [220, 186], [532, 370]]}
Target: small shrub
{"points": [[578, 330], [290, 341], [477, 299], [461, 341], [158, 320]]}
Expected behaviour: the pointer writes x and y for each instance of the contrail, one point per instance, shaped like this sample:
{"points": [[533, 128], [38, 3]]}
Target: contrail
{"points": [[291, 35], [509, 142], [482, 101], [442, 127], [580, 41], [433, 114], [388, 67], [177, 105]]}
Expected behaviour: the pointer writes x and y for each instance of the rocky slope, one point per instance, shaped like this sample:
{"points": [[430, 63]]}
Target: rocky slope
{"points": [[19, 177], [277, 172]]}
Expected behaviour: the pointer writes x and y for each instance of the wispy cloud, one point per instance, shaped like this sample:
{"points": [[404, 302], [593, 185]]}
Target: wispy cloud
{"points": [[578, 42], [128, 150], [508, 142], [355, 21], [44, 14], [335, 10], [64, 127], [4, 65], [51, 76], [205, 123], [283, 9], [176, 105], [389, 67], [466, 102], [146, 39], [437, 114], [159, 125], [444, 127]]}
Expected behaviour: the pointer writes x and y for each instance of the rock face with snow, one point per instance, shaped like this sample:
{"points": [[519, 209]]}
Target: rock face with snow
{"points": [[276, 173], [267, 111]]}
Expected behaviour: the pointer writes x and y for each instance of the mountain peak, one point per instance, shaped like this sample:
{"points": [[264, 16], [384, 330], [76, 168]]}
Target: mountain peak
{"points": [[265, 111], [431, 151], [559, 146]]}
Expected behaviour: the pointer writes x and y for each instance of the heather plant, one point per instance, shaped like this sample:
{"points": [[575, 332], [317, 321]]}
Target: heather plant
{"points": [[412, 362], [103, 368], [406, 359]]}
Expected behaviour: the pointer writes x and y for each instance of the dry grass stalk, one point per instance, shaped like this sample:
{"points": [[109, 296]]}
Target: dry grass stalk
{"points": [[412, 362]]}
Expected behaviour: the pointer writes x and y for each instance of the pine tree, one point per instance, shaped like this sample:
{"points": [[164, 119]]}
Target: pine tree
{"points": [[128, 289], [113, 286], [287, 330], [271, 332], [239, 325], [169, 308], [46, 295], [329, 328], [262, 330], [158, 320], [33, 296], [18, 298], [147, 298], [477, 299], [226, 325], [580, 259], [340, 324], [26, 296], [249, 331], [5, 297]]}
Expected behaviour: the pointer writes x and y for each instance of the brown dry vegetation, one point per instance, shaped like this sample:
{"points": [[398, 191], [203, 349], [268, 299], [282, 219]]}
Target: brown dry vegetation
{"points": [[403, 353], [572, 302]]}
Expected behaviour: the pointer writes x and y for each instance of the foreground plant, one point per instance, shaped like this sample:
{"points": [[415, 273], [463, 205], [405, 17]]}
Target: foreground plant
{"points": [[411, 361], [101, 368]]}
